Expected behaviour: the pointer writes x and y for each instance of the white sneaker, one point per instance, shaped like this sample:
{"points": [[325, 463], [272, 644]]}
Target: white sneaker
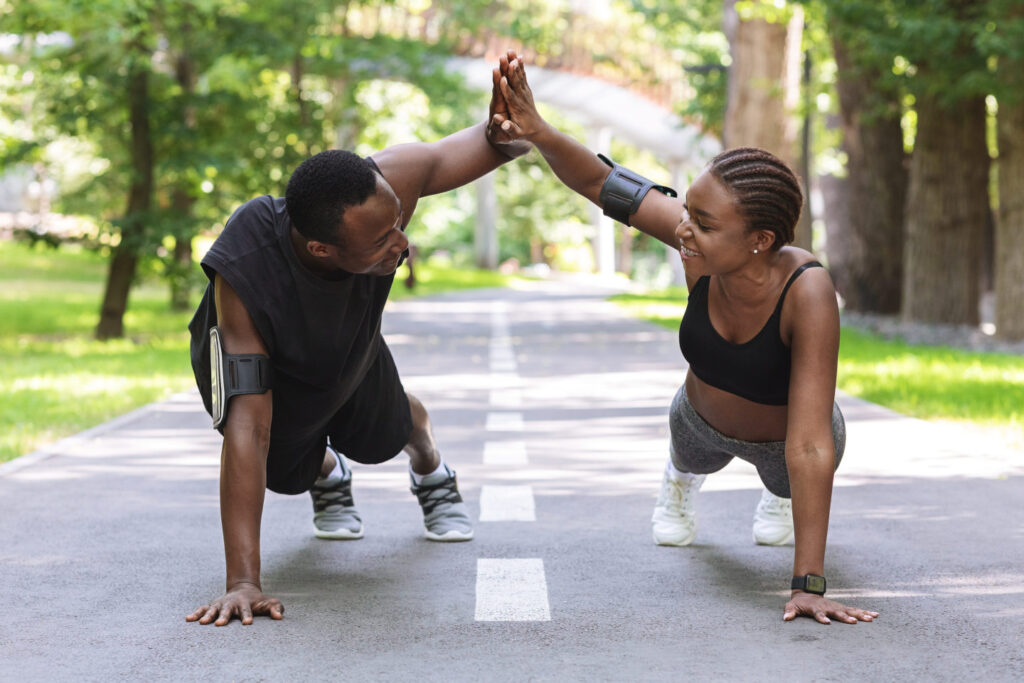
{"points": [[334, 513], [773, 520], [674, 521]]}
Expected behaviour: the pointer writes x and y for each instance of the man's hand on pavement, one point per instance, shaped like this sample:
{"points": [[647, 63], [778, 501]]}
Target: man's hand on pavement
{"points": [[244, 601]]}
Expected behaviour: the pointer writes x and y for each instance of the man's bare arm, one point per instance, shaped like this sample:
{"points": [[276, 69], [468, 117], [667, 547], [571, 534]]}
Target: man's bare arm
{"points": [[242, 477]]}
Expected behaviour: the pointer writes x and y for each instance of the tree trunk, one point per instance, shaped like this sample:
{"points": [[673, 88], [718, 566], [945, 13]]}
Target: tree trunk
{"points": [[181, 287], [835, 193], [1010, 223], [181, 275], [804, 234], [946, 211], [182, 201], [764, 87], [140, 196], [868, 263]]}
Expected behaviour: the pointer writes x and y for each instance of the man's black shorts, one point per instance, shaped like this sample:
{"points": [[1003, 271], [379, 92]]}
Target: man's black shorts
{"points": [[373, 426]]}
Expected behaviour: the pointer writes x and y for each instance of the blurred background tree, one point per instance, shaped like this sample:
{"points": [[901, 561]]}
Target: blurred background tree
{"points": [[156, 119]]}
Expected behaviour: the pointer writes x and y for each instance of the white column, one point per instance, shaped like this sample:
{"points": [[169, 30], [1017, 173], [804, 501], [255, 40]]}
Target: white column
{"points": [[486, 235], [678, 183], [599, 139]]}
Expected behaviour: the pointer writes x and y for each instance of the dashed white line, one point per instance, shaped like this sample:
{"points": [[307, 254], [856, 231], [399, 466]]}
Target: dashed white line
{"points": [[502, 365], [507, 504], [504, 422], [505, 453], [506, 398], [503, 353], [511, 590]]}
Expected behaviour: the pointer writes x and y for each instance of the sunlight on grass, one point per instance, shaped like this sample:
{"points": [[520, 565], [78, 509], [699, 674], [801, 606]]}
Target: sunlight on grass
{"points": [[664, 307], [926, 382], [56, 380], [432, 279], [933, 382]]}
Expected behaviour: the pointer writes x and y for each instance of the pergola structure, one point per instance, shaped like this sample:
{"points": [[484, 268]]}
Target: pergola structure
{"points": [[607, 111]]}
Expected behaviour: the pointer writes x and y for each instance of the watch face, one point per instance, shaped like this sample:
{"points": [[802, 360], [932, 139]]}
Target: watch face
{"points": [[815, 584]]}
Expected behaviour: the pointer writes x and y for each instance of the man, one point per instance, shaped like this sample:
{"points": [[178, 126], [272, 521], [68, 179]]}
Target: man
{"points": [[295, 371]]}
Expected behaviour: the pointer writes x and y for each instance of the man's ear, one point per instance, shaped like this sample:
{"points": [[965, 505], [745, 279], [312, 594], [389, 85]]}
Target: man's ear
{"points": [[318, 249]]}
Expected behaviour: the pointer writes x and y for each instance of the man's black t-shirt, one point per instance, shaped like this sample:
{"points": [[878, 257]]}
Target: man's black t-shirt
{"points": [[322, 335]]}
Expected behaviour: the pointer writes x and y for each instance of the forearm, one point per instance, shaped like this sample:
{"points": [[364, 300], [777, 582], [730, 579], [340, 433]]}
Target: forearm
{"points": [[811, 470], [424, 169], [242, 491], [575, 165]]}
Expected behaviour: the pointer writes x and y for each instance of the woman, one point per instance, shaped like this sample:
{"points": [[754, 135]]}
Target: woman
{"points": [[760, 333]]}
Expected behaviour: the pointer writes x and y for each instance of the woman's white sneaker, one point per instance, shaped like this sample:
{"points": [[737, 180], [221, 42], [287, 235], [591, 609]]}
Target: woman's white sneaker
{"points": [[674, 521], [773, 520]]}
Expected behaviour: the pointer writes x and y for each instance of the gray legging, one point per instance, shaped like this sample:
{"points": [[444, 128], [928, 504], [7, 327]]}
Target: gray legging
{"points": [[699, 448]]}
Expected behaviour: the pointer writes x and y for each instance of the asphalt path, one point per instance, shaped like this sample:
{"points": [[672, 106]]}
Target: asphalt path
{"points": [[551, 405]]}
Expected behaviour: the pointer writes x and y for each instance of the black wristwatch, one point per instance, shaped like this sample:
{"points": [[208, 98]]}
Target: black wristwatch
{"points": [[809, 583]]}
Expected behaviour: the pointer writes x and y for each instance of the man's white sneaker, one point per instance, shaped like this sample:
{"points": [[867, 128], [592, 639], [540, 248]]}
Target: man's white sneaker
{"points": [[773, 520], [445, 516], [674, 521], [334, 513]]}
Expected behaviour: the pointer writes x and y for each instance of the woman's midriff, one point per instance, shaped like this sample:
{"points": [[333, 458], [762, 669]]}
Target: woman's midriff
{"points": [[735, 416]]}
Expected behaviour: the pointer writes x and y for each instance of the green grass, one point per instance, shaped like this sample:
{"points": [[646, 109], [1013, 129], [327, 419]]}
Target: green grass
{"points": [[55, 380], [933, 383], [435, 279]]}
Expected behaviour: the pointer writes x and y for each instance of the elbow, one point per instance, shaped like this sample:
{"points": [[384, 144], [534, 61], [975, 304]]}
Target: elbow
{"points": [[809, 453]]}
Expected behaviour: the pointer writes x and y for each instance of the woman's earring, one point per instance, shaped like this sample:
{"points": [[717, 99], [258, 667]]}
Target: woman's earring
{"points": [[755, 251]]}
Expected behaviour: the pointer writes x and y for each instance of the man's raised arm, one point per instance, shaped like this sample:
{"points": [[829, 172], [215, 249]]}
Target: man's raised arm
{"points": [[425, 168]]}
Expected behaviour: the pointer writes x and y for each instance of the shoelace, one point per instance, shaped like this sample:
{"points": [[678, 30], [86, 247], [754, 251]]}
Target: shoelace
{"points": [[676, 495], [433, 495], [778, 505], [337, 495]]}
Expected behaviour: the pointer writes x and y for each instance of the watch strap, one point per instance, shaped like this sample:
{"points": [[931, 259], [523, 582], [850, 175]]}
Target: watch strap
{"points": [[809, 583]]}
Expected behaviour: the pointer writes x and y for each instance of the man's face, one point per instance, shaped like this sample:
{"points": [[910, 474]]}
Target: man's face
{"points": [[371, 235]]}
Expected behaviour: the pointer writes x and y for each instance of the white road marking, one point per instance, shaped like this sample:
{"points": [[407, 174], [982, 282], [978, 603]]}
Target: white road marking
{"points": [[505, 453], [502, 353], [511, 590], [506, 398], [499, 365], [507, 504], [504, 422], [505, 380]]}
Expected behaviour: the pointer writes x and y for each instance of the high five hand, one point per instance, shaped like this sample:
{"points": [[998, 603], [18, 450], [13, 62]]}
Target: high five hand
{"points": [[520, 120], [498, 113]]}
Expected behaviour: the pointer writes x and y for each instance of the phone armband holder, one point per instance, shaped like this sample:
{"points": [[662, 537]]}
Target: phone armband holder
{"points": [[232, 374]]}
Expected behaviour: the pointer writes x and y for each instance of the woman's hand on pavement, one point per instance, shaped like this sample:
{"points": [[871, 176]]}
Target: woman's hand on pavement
{"points": [[822, 609]]}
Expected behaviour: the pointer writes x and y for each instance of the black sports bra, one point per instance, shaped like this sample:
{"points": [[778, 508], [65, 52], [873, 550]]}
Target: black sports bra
{"points": [[757, 370]]}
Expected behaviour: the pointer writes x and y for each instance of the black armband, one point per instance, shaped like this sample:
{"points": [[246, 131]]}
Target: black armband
{"points": [[623, 191], [232, 374]]}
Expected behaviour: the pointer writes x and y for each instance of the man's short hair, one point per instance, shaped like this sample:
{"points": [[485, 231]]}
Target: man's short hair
{"points": [[322, 187]]}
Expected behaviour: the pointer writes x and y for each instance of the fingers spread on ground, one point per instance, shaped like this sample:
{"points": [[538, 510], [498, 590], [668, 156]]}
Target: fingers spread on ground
{"points": [[197, 613], [225, 616]]}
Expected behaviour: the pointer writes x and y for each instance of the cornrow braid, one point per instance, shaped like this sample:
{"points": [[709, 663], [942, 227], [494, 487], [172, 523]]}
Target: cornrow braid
{"points": [[767, 192]]}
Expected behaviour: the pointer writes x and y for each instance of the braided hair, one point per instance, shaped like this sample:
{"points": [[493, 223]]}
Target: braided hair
{"points": [[766, 191]]}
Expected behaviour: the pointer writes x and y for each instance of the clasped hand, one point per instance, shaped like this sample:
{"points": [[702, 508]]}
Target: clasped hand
{"points": [[513, 114]]}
